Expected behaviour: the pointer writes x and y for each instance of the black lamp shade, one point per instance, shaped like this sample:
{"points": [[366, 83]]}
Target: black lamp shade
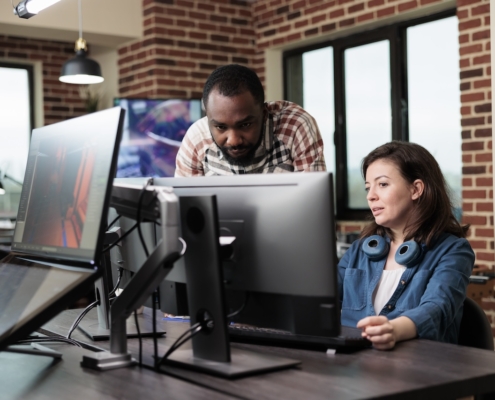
{"points": [[81, 70]]}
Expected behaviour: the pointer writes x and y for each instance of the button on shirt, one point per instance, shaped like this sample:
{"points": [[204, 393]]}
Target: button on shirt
{"points": [[291, 142], [430, 293]]}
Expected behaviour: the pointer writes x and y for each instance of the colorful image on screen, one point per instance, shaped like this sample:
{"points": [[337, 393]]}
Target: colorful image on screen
{"points": [[61, 183], [153, 132]]}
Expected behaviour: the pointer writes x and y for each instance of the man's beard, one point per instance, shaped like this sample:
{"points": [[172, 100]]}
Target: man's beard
{"points": [[244, 160]]}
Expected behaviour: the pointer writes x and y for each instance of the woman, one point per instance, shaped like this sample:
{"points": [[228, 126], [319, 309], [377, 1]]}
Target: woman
{"points": [[390, 302]]}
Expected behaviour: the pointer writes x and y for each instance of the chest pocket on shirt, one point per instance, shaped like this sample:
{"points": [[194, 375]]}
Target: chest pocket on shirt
{"points": [[414, 291], [355, 284]]}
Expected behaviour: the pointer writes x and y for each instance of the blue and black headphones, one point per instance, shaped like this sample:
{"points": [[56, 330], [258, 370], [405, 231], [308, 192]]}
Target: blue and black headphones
{"points": [[408, 254]]}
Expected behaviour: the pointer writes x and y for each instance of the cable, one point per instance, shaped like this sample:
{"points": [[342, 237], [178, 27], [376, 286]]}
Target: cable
{"points": [[93, 305], [192, 331], [49, 339], [120, 238], [80, 317], [119, 278], [140, 339], [113, 222], [243, 306]]}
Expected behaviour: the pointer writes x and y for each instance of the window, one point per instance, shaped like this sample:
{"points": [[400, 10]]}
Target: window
{"points": [[16, 121], [400, 82]]}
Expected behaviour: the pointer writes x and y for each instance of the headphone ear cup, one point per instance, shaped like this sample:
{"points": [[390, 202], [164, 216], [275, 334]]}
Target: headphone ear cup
{"points": [[375, 247], [408, 254]]}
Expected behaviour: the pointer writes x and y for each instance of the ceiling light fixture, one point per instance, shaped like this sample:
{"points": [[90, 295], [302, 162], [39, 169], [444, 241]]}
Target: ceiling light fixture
{"points": [[81, 70], [29, 8]]}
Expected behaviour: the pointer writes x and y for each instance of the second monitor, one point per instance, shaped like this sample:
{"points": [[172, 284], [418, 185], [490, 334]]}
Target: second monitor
{"points": [[281, 269]]}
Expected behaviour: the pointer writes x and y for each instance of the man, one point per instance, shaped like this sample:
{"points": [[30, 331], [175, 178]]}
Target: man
{"points": [[241, 134]]}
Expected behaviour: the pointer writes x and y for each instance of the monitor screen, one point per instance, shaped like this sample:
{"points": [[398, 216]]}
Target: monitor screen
{"points": [[66, 187], [153, 132], [284, 251]]}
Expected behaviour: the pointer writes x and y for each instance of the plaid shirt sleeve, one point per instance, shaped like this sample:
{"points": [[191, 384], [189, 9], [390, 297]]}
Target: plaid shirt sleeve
{"points": [[191, 153], [307, 145]]}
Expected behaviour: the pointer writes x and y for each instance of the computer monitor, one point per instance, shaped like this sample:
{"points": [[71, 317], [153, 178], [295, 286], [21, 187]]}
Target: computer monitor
{"points": [[61, 221], [153, 132], [284, 251]]}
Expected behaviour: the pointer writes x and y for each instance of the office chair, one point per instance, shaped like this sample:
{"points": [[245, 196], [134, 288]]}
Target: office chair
{"points": [[475, 330]]}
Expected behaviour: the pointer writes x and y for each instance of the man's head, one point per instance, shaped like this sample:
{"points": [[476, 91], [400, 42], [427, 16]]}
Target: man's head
{"points": [[234, 99]]}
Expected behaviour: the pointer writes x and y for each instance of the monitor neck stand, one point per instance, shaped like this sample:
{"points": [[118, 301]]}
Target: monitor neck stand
{"points": [[97, 327], [141, 286], [211, 351]]}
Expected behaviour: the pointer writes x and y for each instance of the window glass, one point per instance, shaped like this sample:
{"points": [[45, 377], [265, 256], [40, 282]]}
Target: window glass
{"points": [[368, 110], [15, 130], [434, 96], [318, 94]]}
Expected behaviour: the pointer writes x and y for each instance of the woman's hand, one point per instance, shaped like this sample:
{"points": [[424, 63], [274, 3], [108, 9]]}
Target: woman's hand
{"points": [[385, 333]]}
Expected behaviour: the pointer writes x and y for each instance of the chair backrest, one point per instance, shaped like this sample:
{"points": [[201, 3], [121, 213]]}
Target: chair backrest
{"points": [[475, 330]]}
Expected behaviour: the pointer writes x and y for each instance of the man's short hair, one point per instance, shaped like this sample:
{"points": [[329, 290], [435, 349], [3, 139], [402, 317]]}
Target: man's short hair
{"points": [[232, 80]]}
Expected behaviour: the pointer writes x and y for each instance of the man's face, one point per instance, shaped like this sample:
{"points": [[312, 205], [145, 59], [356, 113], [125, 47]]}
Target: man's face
{"points": [[235, 125]]}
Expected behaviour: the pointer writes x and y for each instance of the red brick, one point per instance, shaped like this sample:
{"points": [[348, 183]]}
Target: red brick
{"points": [[466, 98], [407, 6], [473, 146], [475, 48], [485, 59], [484, 232], [484, 157], [484, 207], [481, 35], [385, 11], [473, 23], [482, 9], [473, 194], [365, 17]]}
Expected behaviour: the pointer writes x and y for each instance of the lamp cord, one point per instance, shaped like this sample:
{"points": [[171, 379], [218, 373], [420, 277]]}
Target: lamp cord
{"points": [[80, 19]]}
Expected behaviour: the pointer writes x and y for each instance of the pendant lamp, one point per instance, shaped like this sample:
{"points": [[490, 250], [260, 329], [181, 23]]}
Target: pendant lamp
{"points": [[81, 70]]}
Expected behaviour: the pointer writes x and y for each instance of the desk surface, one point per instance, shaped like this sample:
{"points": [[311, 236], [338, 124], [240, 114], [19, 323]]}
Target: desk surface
{"points": [[28, 377], [414, 369]]}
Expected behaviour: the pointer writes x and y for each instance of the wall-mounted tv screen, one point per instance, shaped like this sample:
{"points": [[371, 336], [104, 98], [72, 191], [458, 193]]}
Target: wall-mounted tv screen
{"points": [[153, 131]]}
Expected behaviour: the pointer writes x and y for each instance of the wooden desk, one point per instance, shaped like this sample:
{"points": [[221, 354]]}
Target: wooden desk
{"points": [[414, 369], [28, 377]]}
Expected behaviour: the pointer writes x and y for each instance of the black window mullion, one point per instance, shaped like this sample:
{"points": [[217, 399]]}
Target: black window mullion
{"points": [[398, 65]]}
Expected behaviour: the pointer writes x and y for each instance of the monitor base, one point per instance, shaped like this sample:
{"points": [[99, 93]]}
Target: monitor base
{"points": [[103, 361], [243, 363]]}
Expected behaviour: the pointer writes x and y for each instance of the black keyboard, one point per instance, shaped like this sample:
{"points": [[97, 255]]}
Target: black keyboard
{"points": [[350, 339]]}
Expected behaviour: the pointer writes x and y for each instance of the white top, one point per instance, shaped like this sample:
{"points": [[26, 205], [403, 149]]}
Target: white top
{"points": [[386, 287]]}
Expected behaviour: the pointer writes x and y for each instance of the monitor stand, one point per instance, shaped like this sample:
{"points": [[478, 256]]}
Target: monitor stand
{"points": [[211, 351], [96, 326]]}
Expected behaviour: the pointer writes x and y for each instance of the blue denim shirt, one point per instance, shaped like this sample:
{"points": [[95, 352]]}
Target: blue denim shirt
{"points": [[430, 293]]}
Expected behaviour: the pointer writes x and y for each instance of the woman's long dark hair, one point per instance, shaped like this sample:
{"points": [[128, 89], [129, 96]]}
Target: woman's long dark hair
{"points": [[432, 213]]}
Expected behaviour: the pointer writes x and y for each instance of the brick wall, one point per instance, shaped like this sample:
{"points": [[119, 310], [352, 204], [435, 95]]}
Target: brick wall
{"points": [[61, 101], [474, 40], [183, 42]]}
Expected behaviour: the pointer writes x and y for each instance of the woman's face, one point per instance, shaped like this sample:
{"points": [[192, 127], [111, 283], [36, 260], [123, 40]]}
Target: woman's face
{"points": [[390, 197]]}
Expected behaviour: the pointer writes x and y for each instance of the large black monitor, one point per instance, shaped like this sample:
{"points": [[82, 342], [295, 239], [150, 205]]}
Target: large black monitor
{"points": [[61, 221], [153, 132], [284, 253]]}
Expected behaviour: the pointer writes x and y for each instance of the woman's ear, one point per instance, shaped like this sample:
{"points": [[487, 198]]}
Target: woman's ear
{"points": [[417, 189]]}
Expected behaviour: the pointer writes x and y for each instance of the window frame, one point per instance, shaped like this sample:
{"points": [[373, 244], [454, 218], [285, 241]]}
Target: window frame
{"points": [[396, 34], [30, 73]]}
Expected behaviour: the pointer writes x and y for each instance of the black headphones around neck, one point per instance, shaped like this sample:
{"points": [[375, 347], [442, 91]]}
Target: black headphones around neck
{"points": [[408, 254]]}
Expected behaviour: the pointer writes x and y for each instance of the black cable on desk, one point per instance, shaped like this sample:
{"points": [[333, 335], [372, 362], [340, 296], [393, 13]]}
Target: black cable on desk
{"points": [[192, 331], [49, 339]]}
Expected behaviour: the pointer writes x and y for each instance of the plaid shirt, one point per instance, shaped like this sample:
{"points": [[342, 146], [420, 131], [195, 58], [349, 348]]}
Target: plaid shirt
{"points": [[291, 142]]}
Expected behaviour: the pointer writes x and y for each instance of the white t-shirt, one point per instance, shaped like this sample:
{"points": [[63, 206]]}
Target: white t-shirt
{"points": [[386, 288]]}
